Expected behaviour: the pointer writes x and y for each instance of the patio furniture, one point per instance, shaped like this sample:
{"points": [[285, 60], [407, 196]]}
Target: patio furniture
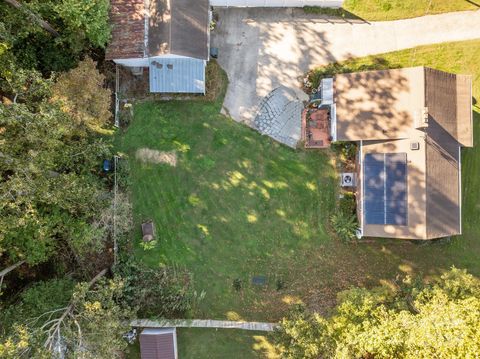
{"points": [[148, 231]]}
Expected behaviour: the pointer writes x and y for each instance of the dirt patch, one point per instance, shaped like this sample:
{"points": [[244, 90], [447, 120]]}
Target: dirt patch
{"points": [[147, 155]]}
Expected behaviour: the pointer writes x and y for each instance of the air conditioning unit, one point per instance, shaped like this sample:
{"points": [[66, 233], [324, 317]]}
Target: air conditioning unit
{"points": [[348, 180], [414, 146], [137, 71]]}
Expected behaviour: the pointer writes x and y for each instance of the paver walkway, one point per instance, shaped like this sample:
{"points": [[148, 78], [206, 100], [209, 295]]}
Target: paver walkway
{"points": [[203, 323], [279, 115], [262, 49]]}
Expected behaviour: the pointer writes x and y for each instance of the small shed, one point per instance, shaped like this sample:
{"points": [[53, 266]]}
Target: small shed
{"points": [[158, 343]]}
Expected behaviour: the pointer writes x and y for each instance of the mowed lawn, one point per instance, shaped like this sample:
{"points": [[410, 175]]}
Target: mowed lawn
{"points": [[384, 10], [238, 205], [235, 205]]}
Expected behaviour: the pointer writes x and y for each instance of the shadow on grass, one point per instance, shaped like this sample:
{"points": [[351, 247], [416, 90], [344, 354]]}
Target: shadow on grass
{"points": [[336, 12]]}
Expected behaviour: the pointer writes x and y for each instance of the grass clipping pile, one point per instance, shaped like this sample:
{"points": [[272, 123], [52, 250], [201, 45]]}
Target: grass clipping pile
{"points": [[147, 155]]}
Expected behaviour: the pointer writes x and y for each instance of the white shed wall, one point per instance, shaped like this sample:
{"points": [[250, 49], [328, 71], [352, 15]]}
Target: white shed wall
{"points": [[276, 3]]}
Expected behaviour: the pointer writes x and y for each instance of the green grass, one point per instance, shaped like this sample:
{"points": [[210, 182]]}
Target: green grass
{"points": [[238, 204], [199, 343], [226, 343], [383, 10]]}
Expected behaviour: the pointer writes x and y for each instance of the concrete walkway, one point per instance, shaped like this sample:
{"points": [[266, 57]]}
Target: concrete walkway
{"points": [[262, 49], [202, 323]]}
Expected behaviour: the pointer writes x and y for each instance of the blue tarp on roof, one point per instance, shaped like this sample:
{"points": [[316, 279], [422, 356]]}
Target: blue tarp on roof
{"points": [[177, 75]]}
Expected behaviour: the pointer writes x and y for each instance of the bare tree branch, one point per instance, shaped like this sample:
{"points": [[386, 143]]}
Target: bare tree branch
{"points": [[45, 25], [7, 270], [53, 331]]}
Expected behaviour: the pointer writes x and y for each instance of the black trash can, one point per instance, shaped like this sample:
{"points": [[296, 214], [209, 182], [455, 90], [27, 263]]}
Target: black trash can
{"points": [[214, 52]]}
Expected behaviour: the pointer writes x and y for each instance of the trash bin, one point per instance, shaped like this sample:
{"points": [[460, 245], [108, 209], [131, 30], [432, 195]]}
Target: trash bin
{"points": [[214, 52]]}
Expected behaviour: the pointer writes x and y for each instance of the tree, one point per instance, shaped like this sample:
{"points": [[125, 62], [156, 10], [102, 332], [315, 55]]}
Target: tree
{"points": [[79, 320], [90, 105], [45, 25], [437, 320], [50, 196], [80, 24], [89, 17]]}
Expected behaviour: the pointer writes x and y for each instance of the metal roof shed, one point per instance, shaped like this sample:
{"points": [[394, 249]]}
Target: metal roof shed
{"points": [[177, 75], [158, 343]]}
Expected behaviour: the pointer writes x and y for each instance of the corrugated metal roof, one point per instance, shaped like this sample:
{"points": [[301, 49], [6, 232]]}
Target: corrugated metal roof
{"points": [[177, 75]]}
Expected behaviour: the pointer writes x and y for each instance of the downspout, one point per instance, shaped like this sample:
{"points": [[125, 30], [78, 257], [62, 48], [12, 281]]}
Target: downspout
{"points": [[460, 185], [362, 209]]}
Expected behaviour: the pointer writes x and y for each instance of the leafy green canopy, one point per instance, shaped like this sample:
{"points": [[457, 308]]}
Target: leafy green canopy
{"points": [[81, 24], [92, 321], [49, 193], [439, 320], [49, 185]]}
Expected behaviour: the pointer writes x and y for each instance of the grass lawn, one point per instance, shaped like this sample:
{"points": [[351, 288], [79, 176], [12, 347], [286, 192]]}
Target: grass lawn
{"points": [[237, 204], [382, 10], [198, 343], [226, 343]]}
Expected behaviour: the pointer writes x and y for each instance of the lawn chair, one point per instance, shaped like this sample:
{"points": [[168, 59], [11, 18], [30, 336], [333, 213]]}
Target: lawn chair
{"points": [[148, 231]]}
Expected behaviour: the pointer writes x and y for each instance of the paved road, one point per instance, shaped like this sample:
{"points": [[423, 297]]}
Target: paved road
{"points": [[262, 49], [203, 323]]}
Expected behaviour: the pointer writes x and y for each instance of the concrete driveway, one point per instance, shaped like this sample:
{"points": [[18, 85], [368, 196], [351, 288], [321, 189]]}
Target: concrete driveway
{"points": [[263, 49]]}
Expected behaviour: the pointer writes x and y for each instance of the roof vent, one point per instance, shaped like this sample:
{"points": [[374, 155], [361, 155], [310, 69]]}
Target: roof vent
{"points": [[170, 66], [414, 146], [348, 180]]}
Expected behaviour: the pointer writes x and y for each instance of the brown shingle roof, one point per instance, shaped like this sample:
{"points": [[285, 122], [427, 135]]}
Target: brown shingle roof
{"points": [[128, 29], [449, 101], [443, 191], [375, 105], [433, 179], [178, 27], [158, 344]]}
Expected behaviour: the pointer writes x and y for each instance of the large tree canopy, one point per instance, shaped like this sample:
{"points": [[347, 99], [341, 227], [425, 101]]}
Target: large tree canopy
{"points": [[438, 320], [50, 190], [79, 320], [81, 25]]}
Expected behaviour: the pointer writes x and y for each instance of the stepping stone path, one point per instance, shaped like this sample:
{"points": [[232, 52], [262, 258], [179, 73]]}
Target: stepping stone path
{"points": [[279, 116]]}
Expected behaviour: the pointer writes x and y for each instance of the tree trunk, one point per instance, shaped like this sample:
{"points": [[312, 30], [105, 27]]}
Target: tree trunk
{"points": [[45, 25], [7, 270]]}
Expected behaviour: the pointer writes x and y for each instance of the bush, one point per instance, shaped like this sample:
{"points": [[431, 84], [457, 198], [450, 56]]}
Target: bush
{"points": [[347, 205], [160, 292], [123, 174], [344, 226], [347, 150]]}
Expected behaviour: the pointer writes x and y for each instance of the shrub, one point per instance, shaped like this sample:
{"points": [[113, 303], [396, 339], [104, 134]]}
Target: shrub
{"points": [[158, 292], [347, 150], [347, 205], [344, 226]]}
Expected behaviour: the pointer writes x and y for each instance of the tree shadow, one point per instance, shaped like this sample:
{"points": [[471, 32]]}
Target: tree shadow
{"points": [[473, 3]]}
